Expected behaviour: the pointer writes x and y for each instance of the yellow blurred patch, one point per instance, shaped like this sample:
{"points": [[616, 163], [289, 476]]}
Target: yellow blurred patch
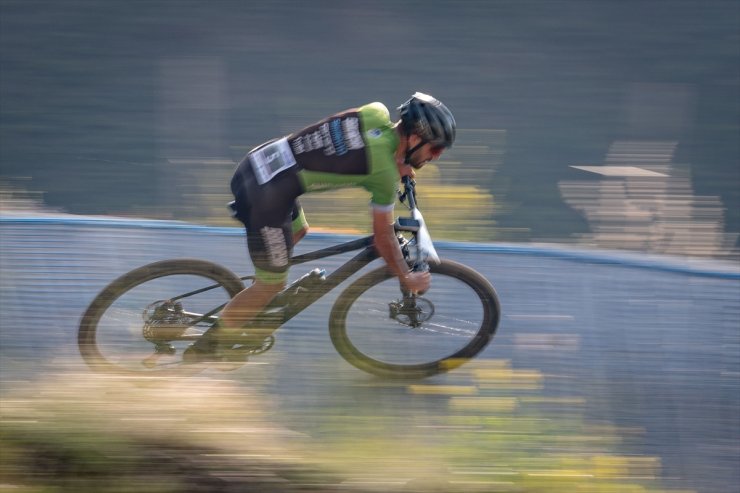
{"points": [[490, 404], [442, 389]]}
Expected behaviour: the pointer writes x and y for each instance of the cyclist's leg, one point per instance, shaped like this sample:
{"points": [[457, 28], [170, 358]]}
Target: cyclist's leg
{"points": [[271, 212], [269, 248], [299, 223], [269, 280]]}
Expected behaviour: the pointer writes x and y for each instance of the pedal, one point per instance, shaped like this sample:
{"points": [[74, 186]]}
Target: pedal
{"points": [[246, 347], [235, 357], [159, 351]]}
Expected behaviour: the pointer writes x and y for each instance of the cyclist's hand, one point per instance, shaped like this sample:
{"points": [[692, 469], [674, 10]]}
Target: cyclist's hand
{"points": [[417, 282], [407, 170]]}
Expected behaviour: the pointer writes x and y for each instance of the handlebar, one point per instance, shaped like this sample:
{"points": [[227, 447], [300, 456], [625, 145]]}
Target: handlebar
{"points": [[415, 224], [409, 192]]}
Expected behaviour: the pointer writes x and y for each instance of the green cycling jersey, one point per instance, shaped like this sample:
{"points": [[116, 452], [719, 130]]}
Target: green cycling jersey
{"points": [[353, 148]]}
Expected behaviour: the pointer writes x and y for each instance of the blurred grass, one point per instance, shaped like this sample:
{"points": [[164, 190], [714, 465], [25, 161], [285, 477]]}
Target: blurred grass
{"points": [[84, 432], [98, 433]]}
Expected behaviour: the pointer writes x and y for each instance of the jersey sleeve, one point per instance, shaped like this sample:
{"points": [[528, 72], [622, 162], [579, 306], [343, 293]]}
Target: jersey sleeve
{"points": [[383, 178], [375, 115], [384, 189]]}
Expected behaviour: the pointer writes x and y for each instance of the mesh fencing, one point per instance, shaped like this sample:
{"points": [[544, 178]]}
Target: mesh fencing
{"points": [[651, 342]]}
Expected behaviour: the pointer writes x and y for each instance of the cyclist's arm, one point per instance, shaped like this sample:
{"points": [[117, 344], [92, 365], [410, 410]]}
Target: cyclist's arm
{"points": [[386, 242], [387, 246]]}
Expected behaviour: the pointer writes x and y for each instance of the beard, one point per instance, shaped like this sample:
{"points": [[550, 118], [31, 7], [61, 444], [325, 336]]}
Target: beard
{"points": [[416, 164]]}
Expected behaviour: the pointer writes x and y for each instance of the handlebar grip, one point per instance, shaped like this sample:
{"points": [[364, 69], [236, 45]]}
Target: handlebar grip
{"points": [[409, 192], [408, 182]]}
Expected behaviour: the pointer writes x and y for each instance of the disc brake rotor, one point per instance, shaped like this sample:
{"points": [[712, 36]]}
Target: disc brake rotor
{"points": [[411, 311]]}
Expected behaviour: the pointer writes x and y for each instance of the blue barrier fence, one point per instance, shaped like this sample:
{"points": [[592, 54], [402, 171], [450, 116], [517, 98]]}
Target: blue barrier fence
{"points": [[694, 267], [646, 341]]}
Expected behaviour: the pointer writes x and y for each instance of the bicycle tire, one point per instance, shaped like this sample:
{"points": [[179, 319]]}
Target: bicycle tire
{"points": [[458, 276], [87, 339]]}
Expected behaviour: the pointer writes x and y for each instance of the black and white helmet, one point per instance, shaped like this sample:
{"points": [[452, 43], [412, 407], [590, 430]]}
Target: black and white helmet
{"points": [[428, 118]]}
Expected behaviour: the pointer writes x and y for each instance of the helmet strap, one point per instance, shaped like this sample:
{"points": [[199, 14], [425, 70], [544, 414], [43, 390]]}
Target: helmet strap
{"points": [[410, 152]]}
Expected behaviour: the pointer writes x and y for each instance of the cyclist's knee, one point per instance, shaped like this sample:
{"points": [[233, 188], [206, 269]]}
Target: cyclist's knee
{"points": [[299, 225], [270, 281], [298, 235]]}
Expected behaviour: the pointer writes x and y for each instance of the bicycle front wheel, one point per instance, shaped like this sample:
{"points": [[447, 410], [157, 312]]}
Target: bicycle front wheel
{"points": [[379, 331], [143, 321]]}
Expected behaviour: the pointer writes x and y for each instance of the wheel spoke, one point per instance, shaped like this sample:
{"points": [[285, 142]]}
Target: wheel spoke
{"points": [[451, 331], [135, 326], [381, 334]]}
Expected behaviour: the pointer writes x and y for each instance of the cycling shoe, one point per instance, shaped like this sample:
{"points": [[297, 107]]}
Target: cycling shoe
{"points": [[206, 348]]}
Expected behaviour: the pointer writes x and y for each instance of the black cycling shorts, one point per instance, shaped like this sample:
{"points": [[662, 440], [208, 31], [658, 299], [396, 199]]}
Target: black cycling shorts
{"points": [[270, 213]]}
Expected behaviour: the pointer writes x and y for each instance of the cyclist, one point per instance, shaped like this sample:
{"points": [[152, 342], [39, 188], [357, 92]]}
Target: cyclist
{"points": [[357, 147]]}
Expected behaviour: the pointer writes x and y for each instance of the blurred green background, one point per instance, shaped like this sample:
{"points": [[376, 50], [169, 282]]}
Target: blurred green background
{"points": [[142, 108]]}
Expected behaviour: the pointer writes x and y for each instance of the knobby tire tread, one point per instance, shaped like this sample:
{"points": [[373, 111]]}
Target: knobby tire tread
{"points": [[86, 338], [339, 337]]}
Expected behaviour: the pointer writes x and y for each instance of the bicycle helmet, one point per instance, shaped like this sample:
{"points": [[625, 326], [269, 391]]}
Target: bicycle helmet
{"points": [[428, 118]]}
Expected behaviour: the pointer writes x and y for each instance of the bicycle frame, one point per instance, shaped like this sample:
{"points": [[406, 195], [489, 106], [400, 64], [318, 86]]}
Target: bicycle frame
{"points": [[293, 304], [371, 297], [287, 305]]}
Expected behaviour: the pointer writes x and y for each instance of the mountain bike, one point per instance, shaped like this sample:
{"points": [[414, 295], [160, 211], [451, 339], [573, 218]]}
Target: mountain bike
{"points": [[144, 320]]}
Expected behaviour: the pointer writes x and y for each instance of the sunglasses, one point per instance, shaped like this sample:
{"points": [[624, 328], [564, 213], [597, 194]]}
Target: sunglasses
{"points": [[437, 149]]}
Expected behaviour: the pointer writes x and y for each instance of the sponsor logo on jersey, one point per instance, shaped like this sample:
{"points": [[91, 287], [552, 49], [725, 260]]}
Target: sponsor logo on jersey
{"points": [[374, 133], [336, 137], [351, 127]]}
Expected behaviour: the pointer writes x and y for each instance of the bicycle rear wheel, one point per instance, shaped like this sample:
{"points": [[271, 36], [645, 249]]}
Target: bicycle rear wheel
{"points": [[376, 330], [142, 323]]}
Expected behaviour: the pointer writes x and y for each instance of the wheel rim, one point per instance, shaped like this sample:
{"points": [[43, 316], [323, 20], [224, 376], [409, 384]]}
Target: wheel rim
{"points": [[132, 336], [453, 321]]}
